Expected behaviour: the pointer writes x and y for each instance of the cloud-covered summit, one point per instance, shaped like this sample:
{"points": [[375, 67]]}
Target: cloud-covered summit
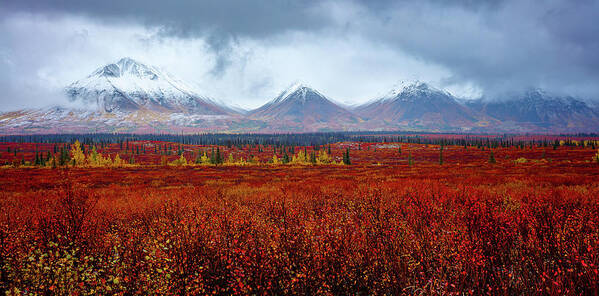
{"points": [[246, 51]]}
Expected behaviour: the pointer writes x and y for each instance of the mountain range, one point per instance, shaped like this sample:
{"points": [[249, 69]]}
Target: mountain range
{"points": [[129, 96]]}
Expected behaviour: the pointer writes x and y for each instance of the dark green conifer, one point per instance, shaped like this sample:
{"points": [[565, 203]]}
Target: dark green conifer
{"points": [[492, 157]]}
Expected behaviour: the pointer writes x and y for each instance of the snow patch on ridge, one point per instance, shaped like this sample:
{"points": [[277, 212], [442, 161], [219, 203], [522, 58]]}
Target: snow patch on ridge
{"points": [[410, 89], [297, 91]]}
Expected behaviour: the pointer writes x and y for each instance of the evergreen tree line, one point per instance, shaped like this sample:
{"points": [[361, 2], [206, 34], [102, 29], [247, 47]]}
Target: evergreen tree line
{"points": [[300, 139]]}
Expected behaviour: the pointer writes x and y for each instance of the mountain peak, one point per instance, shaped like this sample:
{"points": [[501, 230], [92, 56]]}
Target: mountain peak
{"points": [[128, 66], [129, 85], [410, 88], [297, 91], [300, 104], [126, 60]]}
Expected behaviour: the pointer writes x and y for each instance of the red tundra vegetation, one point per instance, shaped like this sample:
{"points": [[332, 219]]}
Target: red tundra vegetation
{"points": [[401, 219]]}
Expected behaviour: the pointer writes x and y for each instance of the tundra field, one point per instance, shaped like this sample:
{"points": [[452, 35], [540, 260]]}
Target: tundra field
{"points": [[336, 219]]}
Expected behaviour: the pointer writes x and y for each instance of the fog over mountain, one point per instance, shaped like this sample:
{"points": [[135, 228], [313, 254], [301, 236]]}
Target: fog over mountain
{"points": [[246, 52]]}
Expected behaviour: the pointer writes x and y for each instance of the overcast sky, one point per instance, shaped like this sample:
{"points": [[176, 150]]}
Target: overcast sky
{"points": [[245, 52]]}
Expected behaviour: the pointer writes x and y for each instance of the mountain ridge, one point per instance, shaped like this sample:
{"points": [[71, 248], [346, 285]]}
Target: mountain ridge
{"points": [[300, 105], [129, 96]]}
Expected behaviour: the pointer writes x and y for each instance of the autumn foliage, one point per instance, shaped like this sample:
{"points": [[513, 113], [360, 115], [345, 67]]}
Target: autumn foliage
{"points": [[394, 220]]}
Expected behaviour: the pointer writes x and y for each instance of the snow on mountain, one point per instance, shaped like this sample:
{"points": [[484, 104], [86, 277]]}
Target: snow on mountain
{"points": [[128, 85], [411, 90], [417, 105], [68, 120], [301, 105], [541, 111], [128, 96]]}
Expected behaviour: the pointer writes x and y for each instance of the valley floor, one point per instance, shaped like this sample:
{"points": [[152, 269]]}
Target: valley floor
{"points": [[466, 226]]}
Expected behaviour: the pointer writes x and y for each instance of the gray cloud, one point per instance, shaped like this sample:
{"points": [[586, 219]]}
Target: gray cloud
{"points": [[501, 45], [245, 51], [225, 18], [220, 22]]}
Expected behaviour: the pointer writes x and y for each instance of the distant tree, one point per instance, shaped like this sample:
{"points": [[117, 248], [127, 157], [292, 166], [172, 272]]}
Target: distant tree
{"points": [[323, 158], [77, 154], [410, 159], [492, 157], [346, 159], [441, 156], [93, 156], [65, 157], [399, 150], [300, 158], [285, 157], [198, 159], [219, 157], [305, 153]]}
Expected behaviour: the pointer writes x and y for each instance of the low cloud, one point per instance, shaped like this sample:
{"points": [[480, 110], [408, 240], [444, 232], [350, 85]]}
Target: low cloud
{"points": [[245, 52]]}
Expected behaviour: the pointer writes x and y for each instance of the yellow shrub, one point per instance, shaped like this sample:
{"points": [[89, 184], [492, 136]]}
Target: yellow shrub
{"points": [[205, 159], [521, 160], [118, 161], [275, 160], [323, 158], [300, 158], [179, 162]]}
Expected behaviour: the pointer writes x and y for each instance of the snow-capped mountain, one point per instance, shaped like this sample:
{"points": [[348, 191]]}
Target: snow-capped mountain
{"points": [[415, 104], [128, 96], [537, 110], [300, 107], [128, 85]]}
